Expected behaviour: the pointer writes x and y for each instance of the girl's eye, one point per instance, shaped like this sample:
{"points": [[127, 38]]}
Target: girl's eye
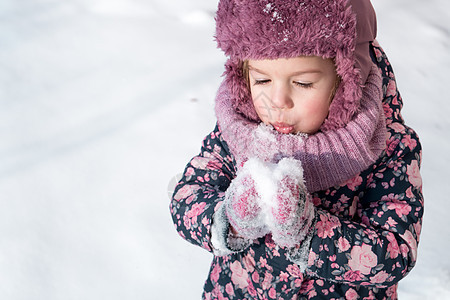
{"points": [[305, 85], [261, 81]]}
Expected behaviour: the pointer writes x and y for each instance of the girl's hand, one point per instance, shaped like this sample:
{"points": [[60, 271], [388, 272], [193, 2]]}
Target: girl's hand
{"points": [[292, 212], [242, 207]]}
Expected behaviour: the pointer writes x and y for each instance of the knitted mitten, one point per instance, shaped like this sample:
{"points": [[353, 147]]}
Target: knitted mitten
{"points": [[242, 206], [292, 212]]}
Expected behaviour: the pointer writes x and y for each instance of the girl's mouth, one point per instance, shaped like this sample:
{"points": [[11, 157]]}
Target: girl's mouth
{"points": [[283, 128]]}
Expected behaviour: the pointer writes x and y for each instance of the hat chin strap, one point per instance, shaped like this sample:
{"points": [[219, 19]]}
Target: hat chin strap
{"points": [[366, 32]]}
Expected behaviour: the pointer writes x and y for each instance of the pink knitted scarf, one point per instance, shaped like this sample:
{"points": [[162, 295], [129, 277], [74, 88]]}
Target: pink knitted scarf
{"points": [[328, 158]]}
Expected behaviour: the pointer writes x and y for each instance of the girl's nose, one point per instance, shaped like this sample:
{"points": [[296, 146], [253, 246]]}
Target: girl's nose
{"points": [[281, 97]]}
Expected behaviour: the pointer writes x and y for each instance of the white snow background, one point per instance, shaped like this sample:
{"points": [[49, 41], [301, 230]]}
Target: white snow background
{"points": [[103, 102]]}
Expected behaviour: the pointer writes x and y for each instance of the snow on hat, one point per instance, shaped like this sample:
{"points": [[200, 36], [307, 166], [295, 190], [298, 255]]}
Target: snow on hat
{"points": [[272, 29]]}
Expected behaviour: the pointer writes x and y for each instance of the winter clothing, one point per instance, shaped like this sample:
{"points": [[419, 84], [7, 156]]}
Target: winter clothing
{"points": [[241, 205], [365, 238], [331, 215], [267, 198], [256, 29], [290, 213]]}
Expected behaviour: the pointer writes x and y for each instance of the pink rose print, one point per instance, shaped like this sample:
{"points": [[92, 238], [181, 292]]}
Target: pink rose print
{"points": [[284, 276], [249, 262], [414, 174], [267, 280], [362, 259], [215, 274], [344, 199], [200, 162], [343, 244], [409, 142], [418, 228], [316, 201], [401, 209], [187, 222], [380, 277], [326, 225], [351, 294], [191, 198], [312, 294], [398, 127], [391, 88], [391, 222], [395, 101], [189, 172], [218, 293], [263, 262], [393, 247], [391, 145], [229, 289], [354, 182], [252, 290], [352, 276], [205, 221], [404, 249], [272, 293], [412, 243], [311, 258], [184, 192], [196, 210], [376, 50], [255, 277], [409, 193], [388, 111], [294, 270], [392, 292], [239, 276]]}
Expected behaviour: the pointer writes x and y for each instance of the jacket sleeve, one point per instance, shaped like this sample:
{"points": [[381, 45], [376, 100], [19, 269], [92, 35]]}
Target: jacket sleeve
{"points": [[378, 245], [201, 189]]}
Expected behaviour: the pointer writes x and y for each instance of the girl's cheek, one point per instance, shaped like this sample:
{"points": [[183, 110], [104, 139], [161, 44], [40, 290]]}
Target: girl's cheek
{"points": [[261, 111]]}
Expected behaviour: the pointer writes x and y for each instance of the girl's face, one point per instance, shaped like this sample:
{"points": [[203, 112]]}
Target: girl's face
{"points": [[293, 95]]}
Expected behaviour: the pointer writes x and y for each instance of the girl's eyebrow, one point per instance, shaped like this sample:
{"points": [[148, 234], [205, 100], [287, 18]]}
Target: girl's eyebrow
{"points": [[250, 68]]}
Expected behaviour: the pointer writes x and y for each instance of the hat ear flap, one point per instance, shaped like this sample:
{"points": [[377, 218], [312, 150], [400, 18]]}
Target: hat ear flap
{"points": [[239, 90], [346, 100]]}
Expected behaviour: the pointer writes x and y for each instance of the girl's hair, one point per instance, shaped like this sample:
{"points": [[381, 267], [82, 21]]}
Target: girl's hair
{"points": [[246, 73]]}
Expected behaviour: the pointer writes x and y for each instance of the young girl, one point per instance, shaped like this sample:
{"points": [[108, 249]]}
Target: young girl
{"points": [[309, 186]]}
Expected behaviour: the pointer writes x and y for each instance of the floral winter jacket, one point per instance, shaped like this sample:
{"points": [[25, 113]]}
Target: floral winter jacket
{"points": [[372, 221]]}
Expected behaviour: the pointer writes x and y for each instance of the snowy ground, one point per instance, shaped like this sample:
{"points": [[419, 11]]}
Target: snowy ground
{"points": [[103, 102]]}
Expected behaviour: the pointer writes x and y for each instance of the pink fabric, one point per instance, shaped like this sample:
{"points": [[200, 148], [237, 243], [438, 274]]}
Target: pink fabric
{"points": [[328, 158]]}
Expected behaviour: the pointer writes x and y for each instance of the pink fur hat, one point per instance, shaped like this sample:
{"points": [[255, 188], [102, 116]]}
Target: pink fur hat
{"points": [[271, 29]]}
